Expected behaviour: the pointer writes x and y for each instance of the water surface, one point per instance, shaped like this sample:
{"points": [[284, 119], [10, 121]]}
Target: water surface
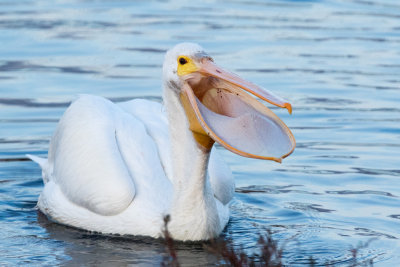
{"points": [[338, 62]]}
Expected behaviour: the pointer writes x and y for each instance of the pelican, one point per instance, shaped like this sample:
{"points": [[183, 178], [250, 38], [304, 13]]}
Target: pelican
{"points": [[120, 168]]}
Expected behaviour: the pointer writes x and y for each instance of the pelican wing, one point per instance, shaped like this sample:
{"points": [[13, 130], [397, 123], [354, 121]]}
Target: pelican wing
{"points": [[152, 115], [97, 155]]}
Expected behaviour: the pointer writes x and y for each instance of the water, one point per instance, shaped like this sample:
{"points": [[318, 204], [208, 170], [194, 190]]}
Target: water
{"points": [[336, 61]]}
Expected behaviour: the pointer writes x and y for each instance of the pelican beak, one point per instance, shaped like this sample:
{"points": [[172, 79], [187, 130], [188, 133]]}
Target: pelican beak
{"points": [[220, 110]]}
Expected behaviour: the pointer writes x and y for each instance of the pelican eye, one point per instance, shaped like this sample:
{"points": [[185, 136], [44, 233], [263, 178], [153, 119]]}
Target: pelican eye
{"points": [[182, 61], [185, 65]]}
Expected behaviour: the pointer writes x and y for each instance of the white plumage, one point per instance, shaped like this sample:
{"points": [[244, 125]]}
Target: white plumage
{"points": [[120, 168]]}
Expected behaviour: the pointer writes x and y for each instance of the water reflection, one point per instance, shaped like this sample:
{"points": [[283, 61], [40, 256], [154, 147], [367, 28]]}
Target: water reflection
{"points": [[83, 247]]}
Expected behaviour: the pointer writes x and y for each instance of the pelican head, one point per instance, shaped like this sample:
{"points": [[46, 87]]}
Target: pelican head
{"points": [[219, 106]]}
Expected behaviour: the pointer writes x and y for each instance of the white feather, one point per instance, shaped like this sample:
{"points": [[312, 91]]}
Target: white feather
{"points": [[121, 168]]}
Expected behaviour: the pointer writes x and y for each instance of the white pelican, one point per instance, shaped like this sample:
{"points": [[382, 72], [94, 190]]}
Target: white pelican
{"points": [[120, 169]]}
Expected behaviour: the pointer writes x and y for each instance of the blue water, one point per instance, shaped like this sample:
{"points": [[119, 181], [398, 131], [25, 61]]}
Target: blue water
{"points": [[338, 62]]}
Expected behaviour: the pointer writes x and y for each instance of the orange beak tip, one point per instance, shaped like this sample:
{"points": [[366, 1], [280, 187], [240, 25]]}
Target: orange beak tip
{"points": [[288, 106]]}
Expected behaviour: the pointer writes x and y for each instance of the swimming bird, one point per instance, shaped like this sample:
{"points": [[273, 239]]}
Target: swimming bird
{"points": [[120, 168]]}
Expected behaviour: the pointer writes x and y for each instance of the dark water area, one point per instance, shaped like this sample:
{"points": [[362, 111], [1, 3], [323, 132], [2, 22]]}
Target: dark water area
{"points": [[337, 62]]}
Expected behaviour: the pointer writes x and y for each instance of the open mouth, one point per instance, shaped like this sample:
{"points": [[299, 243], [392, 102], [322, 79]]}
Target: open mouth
{"points": [[235, 119]]}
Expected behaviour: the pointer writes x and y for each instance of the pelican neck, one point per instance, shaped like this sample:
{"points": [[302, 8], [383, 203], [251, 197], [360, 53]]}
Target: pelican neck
{"points": [[193, 209]]}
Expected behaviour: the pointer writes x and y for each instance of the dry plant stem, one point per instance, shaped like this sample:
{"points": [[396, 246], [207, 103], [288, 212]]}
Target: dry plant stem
{"points": [[171, 259], [270, 252]]}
